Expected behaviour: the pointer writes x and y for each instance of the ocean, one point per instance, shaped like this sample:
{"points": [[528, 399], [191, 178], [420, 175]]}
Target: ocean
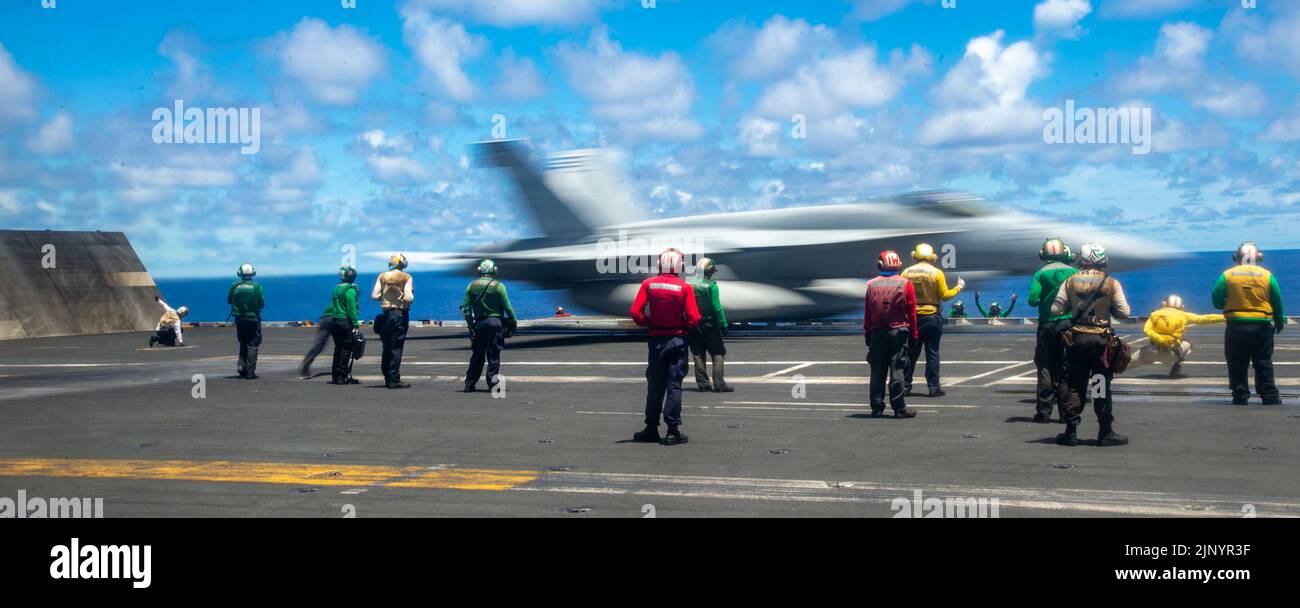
{"points": [[438, 295]]}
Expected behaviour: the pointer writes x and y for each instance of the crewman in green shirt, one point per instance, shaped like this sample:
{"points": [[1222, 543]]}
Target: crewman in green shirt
{"points": [[1049, 351], [340, 322], [706, 338], [1251, 301], [491, 320], [246, 304]]}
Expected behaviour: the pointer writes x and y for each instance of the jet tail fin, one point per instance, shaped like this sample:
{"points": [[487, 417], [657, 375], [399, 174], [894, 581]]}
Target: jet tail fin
{"points": [[578, 193]]}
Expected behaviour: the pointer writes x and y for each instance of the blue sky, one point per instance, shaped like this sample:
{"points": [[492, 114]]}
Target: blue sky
{"points": [[367, 114]]}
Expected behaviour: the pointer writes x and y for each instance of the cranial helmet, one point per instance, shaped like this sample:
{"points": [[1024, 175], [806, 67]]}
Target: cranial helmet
{"points": [[397, 262], [707, 266], [487, 268], [1173, 302], [1248, 253], [182, 311], [889, 261], [1093, 255], [246, 271], [672, 261], [1054, 249], [924, 253], [348, 274]]}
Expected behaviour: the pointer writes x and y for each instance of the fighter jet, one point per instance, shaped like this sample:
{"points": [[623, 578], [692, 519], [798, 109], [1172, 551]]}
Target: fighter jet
{"points": [[794, 263]]}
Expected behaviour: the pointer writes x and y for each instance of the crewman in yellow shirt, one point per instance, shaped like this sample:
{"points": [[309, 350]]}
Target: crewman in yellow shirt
{"points": [[1165, 328], [932, 291], [1251, 301]]}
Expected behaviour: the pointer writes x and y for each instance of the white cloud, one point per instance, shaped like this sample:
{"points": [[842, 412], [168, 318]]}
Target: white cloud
{"points": [[441, 46], [518, 78], [1178, 66], [180, 169], [388, 158], [840, 82], [984, 96], [192, 79], [638, 96], [772, 49], [17, 88], [398, 170], [1061, 17], [760, 137], [1270, 42], [380, 142], [1140, 9], [1283, 130], [53, 137], [334, 65], [514, 13]]}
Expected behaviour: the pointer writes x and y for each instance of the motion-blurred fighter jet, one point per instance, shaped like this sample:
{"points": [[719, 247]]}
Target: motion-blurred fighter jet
{"points": [[780, 264]]}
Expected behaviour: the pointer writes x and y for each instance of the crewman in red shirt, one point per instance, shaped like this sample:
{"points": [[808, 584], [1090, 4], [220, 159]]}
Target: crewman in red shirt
{"points": [[889, 323], [665, 304]]}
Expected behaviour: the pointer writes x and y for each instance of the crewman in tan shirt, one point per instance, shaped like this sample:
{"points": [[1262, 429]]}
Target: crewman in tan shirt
{"points": [[395, 291]]}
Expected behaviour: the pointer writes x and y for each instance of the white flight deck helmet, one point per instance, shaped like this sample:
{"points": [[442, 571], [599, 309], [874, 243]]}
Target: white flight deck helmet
{"points": [[1093, 255], [1248, 253], [1173, 302], [246, 271], [183, 311], [707, 267], [672, 261]]}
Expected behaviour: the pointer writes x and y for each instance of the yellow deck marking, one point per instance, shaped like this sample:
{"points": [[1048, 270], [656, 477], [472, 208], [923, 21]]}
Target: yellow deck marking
{"points": [[466, 479], [269, 472]]}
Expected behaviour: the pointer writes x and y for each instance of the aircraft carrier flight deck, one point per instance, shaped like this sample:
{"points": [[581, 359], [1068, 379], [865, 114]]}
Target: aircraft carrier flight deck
{"points": [[174, 432]]}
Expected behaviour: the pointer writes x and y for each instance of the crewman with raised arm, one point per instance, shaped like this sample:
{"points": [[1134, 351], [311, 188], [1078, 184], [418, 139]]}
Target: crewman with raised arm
{"points": [[1165, 330], [931, 287]]}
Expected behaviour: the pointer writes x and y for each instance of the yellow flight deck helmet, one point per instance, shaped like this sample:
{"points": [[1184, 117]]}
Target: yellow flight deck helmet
{"points": [[397, 262], [924, 253]]}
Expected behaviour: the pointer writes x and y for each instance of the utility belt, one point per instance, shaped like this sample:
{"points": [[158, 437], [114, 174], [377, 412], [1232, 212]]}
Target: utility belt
{"points": [[1116, 356], [1068, 334]]}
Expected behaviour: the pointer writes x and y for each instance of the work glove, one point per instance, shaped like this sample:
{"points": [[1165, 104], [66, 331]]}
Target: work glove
{"points": [[1278, 327], [1013, 297], [961, 283]]}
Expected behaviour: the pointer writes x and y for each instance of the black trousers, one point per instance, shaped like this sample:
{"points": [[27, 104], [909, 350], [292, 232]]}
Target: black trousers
{"points": [[1049, 358], [1083, 362], [341, 331], [396, 324], [887, 356], [665, 367], [489, 339], [706, 338], [1244, 345], [930, 328], [249, 333], [166, 336]]}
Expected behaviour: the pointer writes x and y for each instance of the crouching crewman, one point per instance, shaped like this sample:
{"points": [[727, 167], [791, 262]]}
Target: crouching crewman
{"points": [[1165, 328], [169, 326]]}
